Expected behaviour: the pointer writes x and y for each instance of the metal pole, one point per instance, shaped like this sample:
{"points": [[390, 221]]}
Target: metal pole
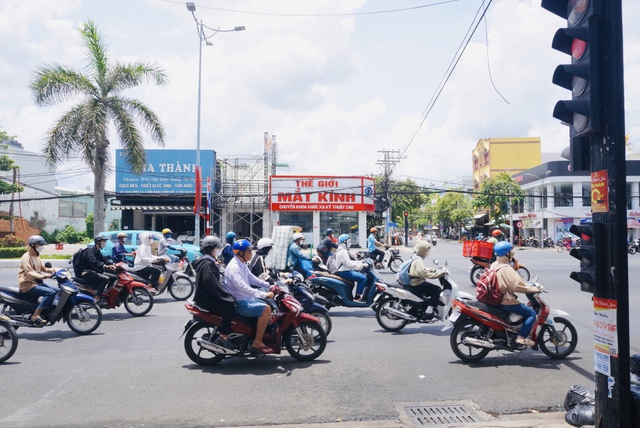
{"points": [[510, 217], [197, 214]]}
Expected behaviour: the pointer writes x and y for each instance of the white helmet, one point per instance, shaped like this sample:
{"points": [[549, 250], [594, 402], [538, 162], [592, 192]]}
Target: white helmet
{"points": [[264, 242], [297, 236]]}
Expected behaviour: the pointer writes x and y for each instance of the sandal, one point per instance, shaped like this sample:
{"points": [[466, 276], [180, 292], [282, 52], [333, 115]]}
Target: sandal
{"points": [[39, 321], [264, 349]]}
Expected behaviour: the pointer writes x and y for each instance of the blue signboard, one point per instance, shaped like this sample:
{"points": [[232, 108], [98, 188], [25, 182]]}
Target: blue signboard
{"points": [[392, 224], [165, 171]]}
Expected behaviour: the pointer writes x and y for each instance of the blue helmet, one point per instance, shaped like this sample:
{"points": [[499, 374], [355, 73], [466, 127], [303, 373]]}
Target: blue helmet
{"points": [[241, 246], [231, 235], [343, 238], [502, 248]]}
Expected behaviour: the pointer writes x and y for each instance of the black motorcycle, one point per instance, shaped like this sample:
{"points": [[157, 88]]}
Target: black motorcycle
{"points": [[8, 339]]}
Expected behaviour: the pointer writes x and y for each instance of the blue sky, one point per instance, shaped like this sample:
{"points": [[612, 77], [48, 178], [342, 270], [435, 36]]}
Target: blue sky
{"points": [[334, 80]]}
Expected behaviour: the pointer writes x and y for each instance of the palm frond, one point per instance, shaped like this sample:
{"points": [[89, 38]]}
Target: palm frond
{"points": [[124, 76], [63, 138], [97, 57], [130, 138], [54, 83], [146, 117]]}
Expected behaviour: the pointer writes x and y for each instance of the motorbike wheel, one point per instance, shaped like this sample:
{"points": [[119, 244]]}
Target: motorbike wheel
{"points": [[325, 321], [524, 273], [84, 318], [387, 321], [196, 353], [476, 273], [395, 264], [632, 250], [139, 302], [462, 330], [8, 341], [560, 248], [307, 342], [559, 340], [182, 288]]}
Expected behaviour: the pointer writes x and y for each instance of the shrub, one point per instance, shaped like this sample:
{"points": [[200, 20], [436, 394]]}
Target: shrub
{"points": [[89, 223], [11, 241], [70, 235], [12, 253], [51, 238]]}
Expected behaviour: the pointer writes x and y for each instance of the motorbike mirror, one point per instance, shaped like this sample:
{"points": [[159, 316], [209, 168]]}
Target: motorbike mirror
{"points": [[435, 262], [47, 264], [535, 279]]}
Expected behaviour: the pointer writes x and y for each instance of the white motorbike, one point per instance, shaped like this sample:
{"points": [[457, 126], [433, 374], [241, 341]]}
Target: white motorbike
{"points": [[396, 306], [391, 260]]}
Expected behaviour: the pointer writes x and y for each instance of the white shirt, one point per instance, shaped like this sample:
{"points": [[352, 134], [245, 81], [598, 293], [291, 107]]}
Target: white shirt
{"points": [[238, 280], [344, 262]]}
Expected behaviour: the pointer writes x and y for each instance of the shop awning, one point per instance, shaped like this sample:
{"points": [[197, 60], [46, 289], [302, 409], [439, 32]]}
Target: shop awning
{"points": [[479, 216], [152, 207]]}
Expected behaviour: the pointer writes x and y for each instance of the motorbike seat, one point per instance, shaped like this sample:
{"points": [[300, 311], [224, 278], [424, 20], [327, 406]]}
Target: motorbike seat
{"points": [[339, 278], [493, 310], [250, 321], [15, 290]]}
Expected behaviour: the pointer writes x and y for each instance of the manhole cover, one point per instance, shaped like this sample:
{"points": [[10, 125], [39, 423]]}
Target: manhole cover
{"points": [[440, 415]]}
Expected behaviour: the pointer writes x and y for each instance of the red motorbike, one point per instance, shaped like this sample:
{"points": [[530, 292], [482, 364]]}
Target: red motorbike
{"points": [[135, 296], [301, 333], [480, 328], [480, 264]]}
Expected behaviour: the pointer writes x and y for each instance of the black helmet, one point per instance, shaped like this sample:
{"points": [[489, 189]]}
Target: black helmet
{"points": [[99, 238], [36, 240], [209, 243], [329, 232]]}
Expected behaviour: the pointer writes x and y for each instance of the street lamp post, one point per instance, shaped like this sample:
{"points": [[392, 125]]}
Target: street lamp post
{"points": [[191, 7]]}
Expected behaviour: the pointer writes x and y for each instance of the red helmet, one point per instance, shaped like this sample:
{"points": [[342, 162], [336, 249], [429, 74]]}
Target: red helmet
{"points": [[496, 232]]}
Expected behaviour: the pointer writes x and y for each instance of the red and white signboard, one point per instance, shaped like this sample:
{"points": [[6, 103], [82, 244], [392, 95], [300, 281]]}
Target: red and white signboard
{"points": [[321, 193]]}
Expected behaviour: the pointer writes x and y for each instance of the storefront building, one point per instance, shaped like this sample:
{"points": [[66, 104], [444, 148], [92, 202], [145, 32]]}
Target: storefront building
{"points": [[317, 203]]}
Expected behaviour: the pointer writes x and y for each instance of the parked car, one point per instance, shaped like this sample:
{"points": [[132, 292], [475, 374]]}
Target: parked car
{"points": [[132, 242]]}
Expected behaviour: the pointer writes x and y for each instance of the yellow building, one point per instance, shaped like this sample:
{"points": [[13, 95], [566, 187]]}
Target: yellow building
{"points": [[491, 156]]}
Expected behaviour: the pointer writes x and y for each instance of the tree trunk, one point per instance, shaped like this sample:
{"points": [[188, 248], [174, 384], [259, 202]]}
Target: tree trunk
{"points": [[99, 178]]}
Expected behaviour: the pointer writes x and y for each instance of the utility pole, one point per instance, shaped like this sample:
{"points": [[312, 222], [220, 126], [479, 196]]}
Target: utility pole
{"points": [[389, 160]]}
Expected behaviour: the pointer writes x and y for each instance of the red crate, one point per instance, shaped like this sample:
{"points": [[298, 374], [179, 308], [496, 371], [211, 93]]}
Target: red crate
{"points": [[482, 249], [466, 248]]}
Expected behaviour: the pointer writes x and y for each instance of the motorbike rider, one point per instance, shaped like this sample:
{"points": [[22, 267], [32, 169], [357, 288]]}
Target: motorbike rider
{"points": [[419, 274], [118, 252], [164, 244], [240, 283], [210, 293], [349, 269], [372, 243], [96, 269], [31, 274], [327, 244], [299, 261], [496, 236], [227, 250], [511, 283], [258, 264], [143, 263]]}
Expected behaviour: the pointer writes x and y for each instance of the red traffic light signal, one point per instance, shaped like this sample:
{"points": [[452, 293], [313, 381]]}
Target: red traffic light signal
{"points": [[406, 213], [594, 260]]}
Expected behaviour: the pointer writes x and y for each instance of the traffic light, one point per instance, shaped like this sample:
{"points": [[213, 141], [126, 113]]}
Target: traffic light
{"points": [[592, 253], [581, 40]]}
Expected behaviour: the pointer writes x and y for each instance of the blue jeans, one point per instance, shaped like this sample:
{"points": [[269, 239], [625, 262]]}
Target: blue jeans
{"points": [[525, 311], [48, 293], [355, 276], [250, 308]]}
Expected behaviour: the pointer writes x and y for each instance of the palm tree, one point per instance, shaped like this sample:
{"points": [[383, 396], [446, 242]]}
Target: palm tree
{"points": [[83, 130]]}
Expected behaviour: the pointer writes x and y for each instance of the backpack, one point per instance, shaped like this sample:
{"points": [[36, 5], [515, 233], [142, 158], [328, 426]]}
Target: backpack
{"points": [[76, 262], [487, 288], [332, 265], [402, 276]]}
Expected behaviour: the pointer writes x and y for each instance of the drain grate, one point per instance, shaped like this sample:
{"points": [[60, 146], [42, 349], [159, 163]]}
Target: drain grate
{"points": [[440, 415]]}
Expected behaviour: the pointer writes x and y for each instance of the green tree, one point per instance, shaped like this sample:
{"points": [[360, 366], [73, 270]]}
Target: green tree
{"points": [[454, 210], [83, 130], [494, 195], [7, 164], [405, 195], [90, 225]]}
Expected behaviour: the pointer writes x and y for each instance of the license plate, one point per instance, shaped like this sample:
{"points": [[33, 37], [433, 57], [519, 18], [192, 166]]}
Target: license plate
{"points": [[454, 316]]}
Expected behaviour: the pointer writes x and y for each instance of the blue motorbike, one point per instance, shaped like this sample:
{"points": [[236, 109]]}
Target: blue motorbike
{"points": [[312, 303], [339, 291], [70, 305]]}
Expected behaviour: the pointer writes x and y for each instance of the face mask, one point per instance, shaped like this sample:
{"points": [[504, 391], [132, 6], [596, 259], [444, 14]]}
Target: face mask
{"points": [[217, 252], [39, 248], [103, 244], [347, 243]]}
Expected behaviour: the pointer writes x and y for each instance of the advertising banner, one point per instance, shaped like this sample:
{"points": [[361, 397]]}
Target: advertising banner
{"points": [[321, 193], [166, 171]]}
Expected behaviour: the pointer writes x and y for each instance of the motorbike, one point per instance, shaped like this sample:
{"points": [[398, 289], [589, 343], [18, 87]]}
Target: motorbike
{"points": [[180, 285], [8, 339], [70, 305], [137, 299], [396, 307], [312, 303], [480, 264], [299, 332], [480, 328], [634, 246], [391, 260], [339, 291]]}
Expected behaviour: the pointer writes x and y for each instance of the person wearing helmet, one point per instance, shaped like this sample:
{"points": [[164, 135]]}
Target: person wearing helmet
{"points": [[95, 268], [496, 236], [372, 243], [350, 269], [31, 274], [296, 259], [510, 284], [419, 274], [143, 263], [227, 250], [240, 283], [258, 264], [164, 244], [328, 243], [210, 293], [118, 252]]}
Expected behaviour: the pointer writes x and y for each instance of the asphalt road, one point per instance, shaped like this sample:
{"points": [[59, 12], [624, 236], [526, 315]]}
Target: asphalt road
{"points": [[133, 372]]}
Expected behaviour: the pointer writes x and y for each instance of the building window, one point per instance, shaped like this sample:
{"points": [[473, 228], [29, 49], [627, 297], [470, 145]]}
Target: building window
{"points": [[629, 196], [302, 219], [563, 195], [72, 209], [544, 197], [531, 204], [586, 194]]}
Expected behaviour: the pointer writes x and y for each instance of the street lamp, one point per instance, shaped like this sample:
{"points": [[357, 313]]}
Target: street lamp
{"points": [[191, 7], [541, 206]]}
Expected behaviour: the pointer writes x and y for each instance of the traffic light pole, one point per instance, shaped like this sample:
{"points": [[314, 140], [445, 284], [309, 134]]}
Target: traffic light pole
{"points": [[613, 397]]}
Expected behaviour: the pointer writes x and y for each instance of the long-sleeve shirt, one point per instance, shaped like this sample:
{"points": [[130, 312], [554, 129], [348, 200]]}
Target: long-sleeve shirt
{"points": [[208, 287], [144, 257], [295, 254], [419, 272], [31, 271], [118, 252], [344, 262], [511, 283], [238, 281]]}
